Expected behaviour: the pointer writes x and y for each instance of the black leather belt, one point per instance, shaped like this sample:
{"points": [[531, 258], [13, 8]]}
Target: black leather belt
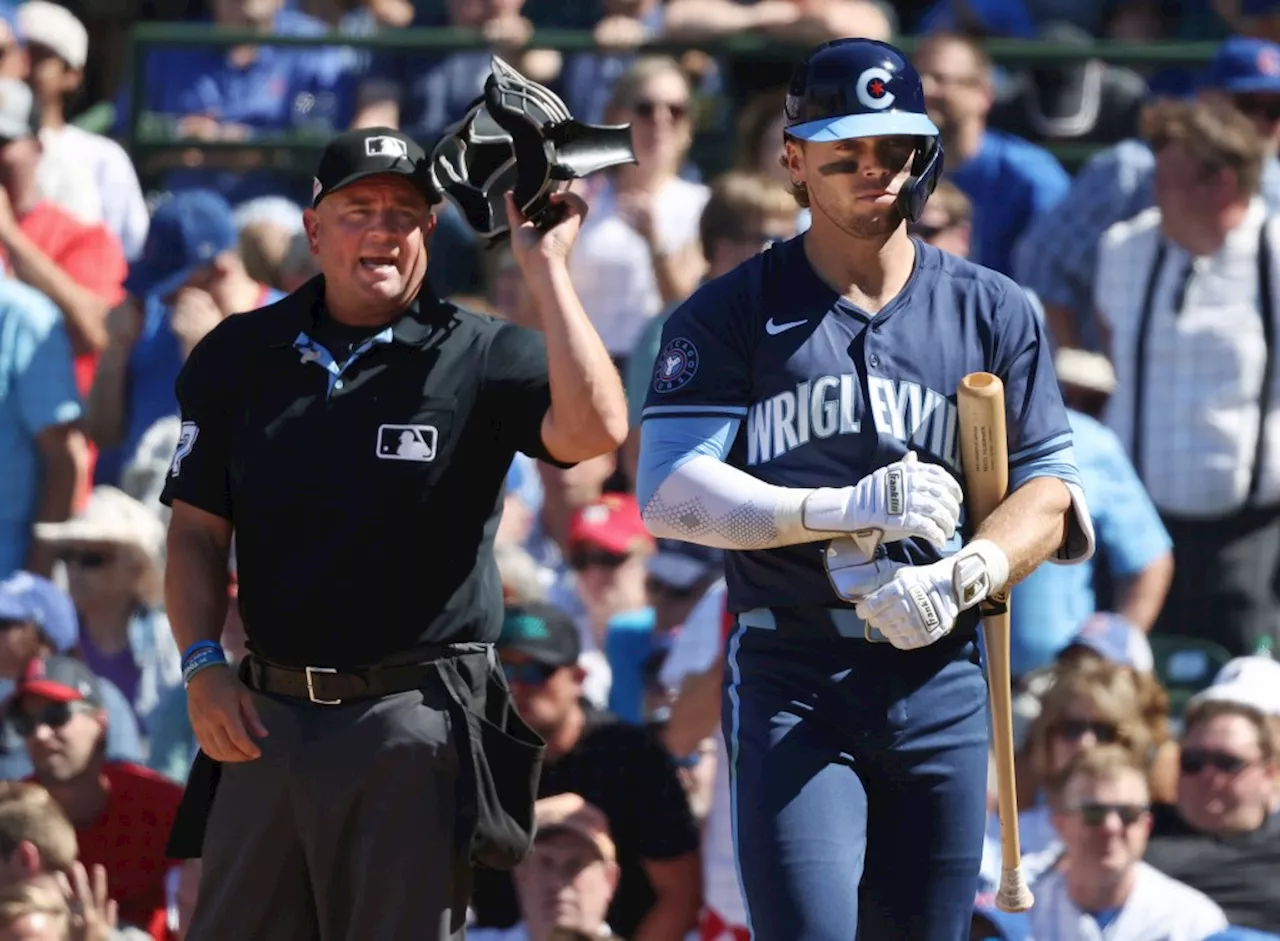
{"points": [[327, 686]]}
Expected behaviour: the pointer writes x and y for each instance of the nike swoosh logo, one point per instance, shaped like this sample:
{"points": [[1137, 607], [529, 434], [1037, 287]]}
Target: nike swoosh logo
{"points": [[773, 329]]}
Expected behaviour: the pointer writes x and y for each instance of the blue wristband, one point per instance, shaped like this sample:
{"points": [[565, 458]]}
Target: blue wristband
{"points": [[202, 659], [198, 646]]}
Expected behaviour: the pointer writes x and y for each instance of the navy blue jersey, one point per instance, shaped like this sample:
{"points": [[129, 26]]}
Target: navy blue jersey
{"points": [[818, 393]]}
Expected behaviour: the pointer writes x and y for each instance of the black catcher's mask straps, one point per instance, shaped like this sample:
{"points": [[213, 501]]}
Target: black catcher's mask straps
{"points": [[519, 136]]}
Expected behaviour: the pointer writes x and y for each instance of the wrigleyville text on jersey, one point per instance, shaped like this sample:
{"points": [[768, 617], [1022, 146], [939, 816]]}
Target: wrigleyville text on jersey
{"points": [[829, 405]]}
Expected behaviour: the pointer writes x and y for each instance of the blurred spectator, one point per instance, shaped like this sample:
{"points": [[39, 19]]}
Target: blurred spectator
{"points": [[1085, 707], [1059, 255], [210, 94], [1134, 556], [638, 250], [79, 267], [1101, 809], [608, 548], [617, 767], [34, 911], [947, 220], [190, 277], [522, 577], [143, 478], [1009, 180], [744, 214], [1247, 681], [113, 551], [122, 812], [267, 227], [1223, 836], [981, 18], [423, 94], [13, 53], [173, 742], [46, 455], [58, 47], [569, 879], [694, 673], [298, 266], [1085, 100], [760, 145], [588, 77], [1186, 297], [38, 619]]}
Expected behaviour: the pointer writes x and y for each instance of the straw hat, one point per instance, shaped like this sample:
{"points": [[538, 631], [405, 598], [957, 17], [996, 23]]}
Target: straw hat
{"points": [[111, 516]]}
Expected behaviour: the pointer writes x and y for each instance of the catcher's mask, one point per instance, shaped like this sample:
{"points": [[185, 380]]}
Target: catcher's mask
{"points": [[519, 136]]}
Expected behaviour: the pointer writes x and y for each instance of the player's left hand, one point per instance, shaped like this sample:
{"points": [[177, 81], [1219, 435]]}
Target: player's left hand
{"points": [[920, 604]]}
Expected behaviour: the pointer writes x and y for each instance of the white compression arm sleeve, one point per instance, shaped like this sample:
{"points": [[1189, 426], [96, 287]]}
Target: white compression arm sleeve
{"points": [[689, 493]]}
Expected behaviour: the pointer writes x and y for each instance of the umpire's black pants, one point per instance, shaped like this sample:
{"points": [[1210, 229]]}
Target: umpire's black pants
{"points": [[343, 830]]}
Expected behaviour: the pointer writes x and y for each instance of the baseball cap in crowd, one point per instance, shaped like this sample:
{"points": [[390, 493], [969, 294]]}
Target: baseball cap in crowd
{"points": [[1248, 681], [371, 151], [188, 231], [60, 679], [16, 106], [1084, 369], [541, 632], [570, 813], [1115, 639], [56, 28], [611, 524], [681, 565], [32, 599], [1244, 66]]}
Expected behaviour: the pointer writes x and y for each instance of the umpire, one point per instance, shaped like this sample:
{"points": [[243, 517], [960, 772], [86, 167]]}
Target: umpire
{"points": [[355, 437]]}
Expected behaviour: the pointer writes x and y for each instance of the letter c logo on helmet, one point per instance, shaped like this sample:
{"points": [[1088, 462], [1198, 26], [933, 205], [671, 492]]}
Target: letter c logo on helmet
{"points": [[872, 89]]}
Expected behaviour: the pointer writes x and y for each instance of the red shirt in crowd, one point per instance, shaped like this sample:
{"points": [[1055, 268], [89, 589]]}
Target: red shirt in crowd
{"points": [[129, 840], [93, 258]]}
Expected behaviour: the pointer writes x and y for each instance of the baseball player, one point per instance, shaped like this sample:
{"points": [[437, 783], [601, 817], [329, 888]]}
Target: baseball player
{"points": [[802, 415]]}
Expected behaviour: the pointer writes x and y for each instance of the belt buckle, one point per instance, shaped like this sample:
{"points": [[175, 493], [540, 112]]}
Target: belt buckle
{"points": [[311, 687]]}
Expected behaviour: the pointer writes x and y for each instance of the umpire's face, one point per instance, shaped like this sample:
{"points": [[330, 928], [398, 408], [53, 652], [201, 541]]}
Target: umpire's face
{"points": [[853, 185], [371, 239]]}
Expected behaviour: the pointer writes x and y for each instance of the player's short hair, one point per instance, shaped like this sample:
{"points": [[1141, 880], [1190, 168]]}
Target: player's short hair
{"points": [[1218, 136], [738, 201], [1113, 697], [981, 60], [35, 897], [1202, 712], [1104, 763], [951, 200], [29, 814]]}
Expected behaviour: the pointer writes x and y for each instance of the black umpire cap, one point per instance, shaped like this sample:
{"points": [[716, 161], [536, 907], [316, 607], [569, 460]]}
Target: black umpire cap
{"points": [[371, 151]]}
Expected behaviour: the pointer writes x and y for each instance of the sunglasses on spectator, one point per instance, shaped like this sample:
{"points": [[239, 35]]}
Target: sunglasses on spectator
{"points": [[1072, 730], [647, 108], [1262, 106], [86, 559], [588, 558], [8, 623], [1095, 815], [1193, 761], [528, 674], [55, 716]]}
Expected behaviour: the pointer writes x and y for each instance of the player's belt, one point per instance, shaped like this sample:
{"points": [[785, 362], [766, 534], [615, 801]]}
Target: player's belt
{"points": [[812, 621]]}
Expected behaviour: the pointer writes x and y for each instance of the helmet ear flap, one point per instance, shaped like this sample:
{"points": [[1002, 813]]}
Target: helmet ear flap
{"points": [[926, 170]]}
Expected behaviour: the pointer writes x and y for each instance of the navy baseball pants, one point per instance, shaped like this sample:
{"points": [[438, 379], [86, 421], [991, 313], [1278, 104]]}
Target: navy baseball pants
{"points": [[858, 784]]}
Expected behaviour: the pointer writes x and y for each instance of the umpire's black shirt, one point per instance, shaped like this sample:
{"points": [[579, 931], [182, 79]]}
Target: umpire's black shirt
{"points": [[363, 471]]}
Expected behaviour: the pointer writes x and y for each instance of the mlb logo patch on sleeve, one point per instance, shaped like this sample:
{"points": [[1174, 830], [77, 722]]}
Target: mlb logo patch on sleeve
{"points": [[407, 443]]}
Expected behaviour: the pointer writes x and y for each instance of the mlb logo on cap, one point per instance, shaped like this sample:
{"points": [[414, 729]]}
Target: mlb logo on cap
{"points": [[385, 147]]}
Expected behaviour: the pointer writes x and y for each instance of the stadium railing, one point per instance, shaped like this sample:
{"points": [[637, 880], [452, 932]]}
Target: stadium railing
{"points": [[149, 135]]}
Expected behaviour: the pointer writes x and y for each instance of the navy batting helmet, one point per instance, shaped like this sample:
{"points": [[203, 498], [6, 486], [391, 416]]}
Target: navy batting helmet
{"points": [[850, 88]]}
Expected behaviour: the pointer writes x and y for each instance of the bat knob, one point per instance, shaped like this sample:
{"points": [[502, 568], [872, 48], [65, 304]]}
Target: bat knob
{"points": [[1014, 895]]}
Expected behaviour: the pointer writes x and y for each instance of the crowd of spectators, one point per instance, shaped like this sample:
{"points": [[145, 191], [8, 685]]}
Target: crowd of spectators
{"points": [[1147, 700]]}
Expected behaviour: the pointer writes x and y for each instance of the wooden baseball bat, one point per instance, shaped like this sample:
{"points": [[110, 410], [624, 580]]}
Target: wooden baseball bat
{"points": [[984, 453]]}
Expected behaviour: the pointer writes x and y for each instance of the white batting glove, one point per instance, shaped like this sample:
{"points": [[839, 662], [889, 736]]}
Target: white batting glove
{"points": [[919, 605], [905, 499], [857, 568]]}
